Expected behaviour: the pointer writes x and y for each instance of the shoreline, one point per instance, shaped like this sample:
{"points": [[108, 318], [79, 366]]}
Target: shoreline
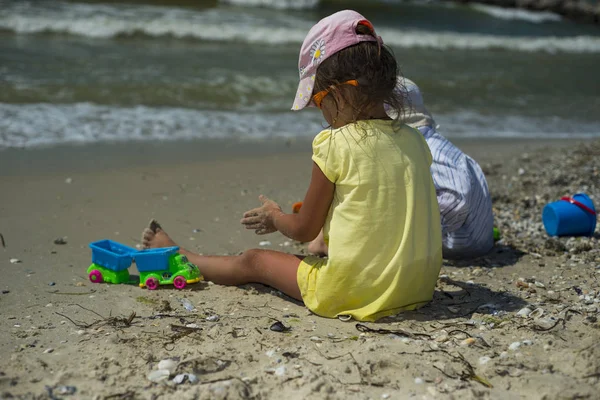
{"points": [[78, 158]]}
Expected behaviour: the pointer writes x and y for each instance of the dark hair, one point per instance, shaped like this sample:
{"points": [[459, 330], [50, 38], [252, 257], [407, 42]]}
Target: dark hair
{"points": [[375, 68]]}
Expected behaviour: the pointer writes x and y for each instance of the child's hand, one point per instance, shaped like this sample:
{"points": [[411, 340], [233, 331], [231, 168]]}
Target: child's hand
{"points": [[262, 219]]}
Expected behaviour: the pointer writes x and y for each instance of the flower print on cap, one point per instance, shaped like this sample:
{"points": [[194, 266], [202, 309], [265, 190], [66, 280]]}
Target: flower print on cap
{"points": [[317, 51]]}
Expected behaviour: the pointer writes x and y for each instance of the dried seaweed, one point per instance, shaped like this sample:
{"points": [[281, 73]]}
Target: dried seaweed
{"points": [[180, 332], [563, 319], [398, 332], [71, 293], [128, 395], [469, 374], [116, 322]]}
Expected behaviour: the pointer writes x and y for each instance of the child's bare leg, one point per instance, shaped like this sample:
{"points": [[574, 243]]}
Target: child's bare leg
{"points": [[318, 246], [268, 267]]}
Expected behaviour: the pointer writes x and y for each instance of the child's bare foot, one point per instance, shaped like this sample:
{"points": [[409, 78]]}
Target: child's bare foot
{"points": [[154, 237]]}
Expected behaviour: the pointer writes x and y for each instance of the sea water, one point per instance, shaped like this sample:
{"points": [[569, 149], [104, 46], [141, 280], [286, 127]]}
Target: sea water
{"points": [[100, 72]]}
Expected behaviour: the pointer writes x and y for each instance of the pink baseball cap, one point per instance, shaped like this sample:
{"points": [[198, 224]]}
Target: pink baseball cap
{"points": [[327, 37]]}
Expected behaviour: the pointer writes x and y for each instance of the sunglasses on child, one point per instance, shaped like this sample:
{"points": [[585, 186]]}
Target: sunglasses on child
{"points": [[319, 96]]}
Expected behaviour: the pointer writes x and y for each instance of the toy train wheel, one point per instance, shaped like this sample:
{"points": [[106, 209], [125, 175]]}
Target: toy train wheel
{"points": [[179, 282], [96, 276], [152, 283]]}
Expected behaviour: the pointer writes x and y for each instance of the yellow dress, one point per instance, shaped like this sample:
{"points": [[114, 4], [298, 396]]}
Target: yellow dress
{"points": [[383, 227]]}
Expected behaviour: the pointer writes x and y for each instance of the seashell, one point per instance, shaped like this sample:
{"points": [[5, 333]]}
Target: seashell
{"points": [[484, 360], [66, 390], [179, 379], [15, 261], [60, 240], [545, 323], [522, 284], [279, 327], [442, 338], [514, 346], [159, 375], [187, 304], [213, 318], [524, 312], [537, 313], [468, 342], [168, 364]]}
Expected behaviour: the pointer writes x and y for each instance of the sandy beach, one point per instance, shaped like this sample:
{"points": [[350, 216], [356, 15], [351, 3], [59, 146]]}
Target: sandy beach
{"points": [[520, 322]]}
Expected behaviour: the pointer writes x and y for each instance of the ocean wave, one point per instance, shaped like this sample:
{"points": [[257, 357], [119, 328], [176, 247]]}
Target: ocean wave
{"points": [[276, 4], [43, 124], [535, 17], [471, 124], [108, 22], [460, 41], [34, 125], [214, 89], [105, 22]]}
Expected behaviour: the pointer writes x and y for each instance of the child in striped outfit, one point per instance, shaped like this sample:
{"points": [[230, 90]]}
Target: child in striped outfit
{"points": [[461, 187]]}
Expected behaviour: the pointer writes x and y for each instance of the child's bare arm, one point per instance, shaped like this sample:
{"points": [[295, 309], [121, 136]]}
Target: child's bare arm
{"points": [[305, 225]]}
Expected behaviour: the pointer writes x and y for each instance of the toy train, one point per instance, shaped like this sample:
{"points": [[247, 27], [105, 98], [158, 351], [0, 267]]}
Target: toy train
{"points": [[163, 266]]}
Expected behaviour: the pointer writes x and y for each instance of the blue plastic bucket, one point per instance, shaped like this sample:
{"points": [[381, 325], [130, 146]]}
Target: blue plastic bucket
{"points": [[566, 218]]}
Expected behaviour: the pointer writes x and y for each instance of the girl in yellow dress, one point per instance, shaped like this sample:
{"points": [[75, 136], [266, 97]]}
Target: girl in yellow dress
{"points": [[371, 190]]}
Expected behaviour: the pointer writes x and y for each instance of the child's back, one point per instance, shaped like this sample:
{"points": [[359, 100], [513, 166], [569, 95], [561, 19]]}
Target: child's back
{"points": [[383, 227]]}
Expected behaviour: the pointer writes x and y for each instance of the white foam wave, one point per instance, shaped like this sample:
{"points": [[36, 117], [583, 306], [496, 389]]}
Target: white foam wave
{"points": [[101, 21], [276, 4], [467, 123], [217, 25], [517, 14], [451, 40], [34, 125]]}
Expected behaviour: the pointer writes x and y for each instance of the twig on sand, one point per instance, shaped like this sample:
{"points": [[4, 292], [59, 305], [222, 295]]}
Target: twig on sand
{"points": [[130, 394], [399, 332], [563, 319], [72, 293], [77, 324], [469, 374], [180, 332], [87, 309], [117, 322]]}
